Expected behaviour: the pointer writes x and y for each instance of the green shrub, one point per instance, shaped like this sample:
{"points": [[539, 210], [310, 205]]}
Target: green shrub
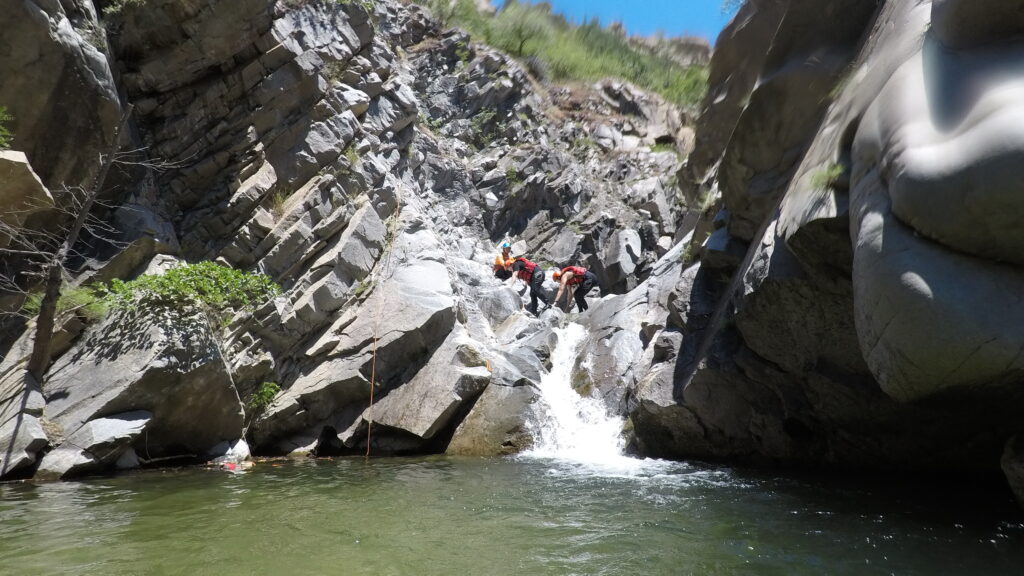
{"points": [[483, 126], [263, 396], [352, 155], [208, 286], [665, 147], [85, 301], [5, 133], [512, 176]]}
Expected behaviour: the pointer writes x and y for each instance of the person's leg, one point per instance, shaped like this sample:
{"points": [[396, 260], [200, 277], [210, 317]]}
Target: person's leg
{"points": [[581, 293], [537, 289], [581, 301]]}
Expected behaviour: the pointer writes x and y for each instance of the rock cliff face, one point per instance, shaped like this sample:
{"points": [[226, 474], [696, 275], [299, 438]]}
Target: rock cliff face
{"points": [[854, 304], [368, 162]]}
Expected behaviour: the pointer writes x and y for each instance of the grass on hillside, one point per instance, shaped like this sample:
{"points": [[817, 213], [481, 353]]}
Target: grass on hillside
{"points": [[568, 52]]}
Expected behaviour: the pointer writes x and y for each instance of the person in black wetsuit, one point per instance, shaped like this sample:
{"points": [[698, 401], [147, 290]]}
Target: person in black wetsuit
{"points": [[576, 281], [531, 273]]}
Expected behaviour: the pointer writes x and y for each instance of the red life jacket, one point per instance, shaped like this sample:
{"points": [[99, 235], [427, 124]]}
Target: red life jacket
{"points": [[577, 274], [527, 271]]}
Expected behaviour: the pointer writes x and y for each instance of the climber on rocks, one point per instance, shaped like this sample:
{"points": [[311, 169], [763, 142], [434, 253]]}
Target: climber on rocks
{"points": [[532, 274], [579, 282], [503, 262]]}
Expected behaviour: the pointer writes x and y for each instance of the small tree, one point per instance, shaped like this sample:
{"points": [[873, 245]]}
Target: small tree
{"points": [[518, 25], [54, 250]]}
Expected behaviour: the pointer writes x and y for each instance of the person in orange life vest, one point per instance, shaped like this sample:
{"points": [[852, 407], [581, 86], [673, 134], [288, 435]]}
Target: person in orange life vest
{"points": [[532, 274], [503, 263], [579, 281]]}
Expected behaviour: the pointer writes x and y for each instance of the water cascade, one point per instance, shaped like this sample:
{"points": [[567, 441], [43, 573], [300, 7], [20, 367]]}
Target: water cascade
{"points": [[572, 428]]}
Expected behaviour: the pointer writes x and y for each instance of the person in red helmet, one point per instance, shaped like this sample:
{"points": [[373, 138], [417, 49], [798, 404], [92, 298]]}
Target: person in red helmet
{"points": [[576, 281], [532, 274]]}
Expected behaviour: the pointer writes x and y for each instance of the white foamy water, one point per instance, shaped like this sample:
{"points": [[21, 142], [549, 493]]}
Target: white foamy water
{"points": [[577, 430]]}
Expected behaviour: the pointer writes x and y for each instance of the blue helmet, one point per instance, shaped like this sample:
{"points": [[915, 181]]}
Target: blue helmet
{"points": [[506, 245]]}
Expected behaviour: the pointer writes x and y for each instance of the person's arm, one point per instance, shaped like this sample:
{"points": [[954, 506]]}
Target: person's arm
{"points": [[561, 288], [562, 285]]}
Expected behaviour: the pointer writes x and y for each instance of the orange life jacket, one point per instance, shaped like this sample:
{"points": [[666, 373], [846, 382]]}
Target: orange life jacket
{"points": [[526, 273], [577, 274]]}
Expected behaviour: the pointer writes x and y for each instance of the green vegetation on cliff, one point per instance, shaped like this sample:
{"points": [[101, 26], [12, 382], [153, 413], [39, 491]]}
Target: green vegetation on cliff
{"points": [[85, 301], [552, 45], [5, 132], [208, 285]]}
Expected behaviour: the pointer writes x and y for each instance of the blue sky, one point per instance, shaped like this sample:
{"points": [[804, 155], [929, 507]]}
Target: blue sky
{"points": [[645, 17]]}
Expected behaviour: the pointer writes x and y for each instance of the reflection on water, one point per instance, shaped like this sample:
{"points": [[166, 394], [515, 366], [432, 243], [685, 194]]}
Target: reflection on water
{"points": [[509, 516]]}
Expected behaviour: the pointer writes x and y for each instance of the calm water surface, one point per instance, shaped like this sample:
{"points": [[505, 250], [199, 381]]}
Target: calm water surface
{"points": [[500, 516]]}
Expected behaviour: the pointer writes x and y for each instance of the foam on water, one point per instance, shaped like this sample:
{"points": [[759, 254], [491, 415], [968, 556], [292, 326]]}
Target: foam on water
{"points": [[576, 433]]}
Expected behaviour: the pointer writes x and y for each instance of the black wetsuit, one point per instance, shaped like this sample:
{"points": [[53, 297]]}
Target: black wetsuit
{"points": [[589, 281]]}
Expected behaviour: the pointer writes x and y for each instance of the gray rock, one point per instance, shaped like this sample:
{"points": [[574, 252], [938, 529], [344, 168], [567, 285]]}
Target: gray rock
{"points": [[426, 405], [1013, 467], [236, 451], [98, 443], [23, 438], [417, 294], [167, 365], [497, 423], [22, 194], [66, 462], [498, 304], [621, 258], [128, 460], [46, 57]]}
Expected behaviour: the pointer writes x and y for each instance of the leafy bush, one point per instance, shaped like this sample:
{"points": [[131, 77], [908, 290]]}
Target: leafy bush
{"points": [[483, 126], [5, 133], [263, 396], [206, 285], [512, 176]]}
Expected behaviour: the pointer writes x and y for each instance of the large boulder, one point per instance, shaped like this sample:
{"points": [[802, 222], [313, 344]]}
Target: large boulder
{"points": [[409, 417], [22, 193], [52, 50], [167, 364], [21, 431], [620, 330], [98, 443], [497, 423], [868, 322], [622, 255], [22, 401]]}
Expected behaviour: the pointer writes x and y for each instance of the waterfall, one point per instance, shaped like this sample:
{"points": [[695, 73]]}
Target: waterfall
{"points": [[567, 426]]}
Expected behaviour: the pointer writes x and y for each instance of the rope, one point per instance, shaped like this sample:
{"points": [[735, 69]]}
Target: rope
{"points": [[376, 320]]}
